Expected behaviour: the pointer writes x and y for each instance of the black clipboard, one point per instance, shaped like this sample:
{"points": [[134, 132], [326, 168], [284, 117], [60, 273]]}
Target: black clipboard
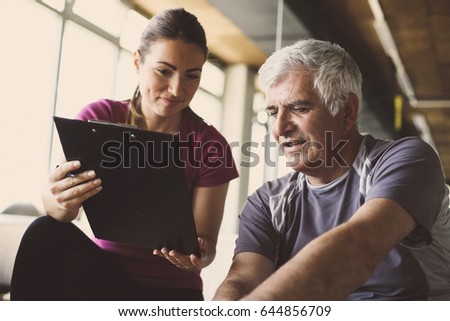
{"points": [[145, 201]]}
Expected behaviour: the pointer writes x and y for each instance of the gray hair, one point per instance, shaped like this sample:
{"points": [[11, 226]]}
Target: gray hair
{"points": [[335, 73]]}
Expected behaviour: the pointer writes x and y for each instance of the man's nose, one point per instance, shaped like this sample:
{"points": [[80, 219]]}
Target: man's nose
{"points": [[282, 125]]}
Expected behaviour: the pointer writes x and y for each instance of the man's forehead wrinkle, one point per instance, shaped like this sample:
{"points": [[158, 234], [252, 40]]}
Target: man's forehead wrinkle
{"points": [[295, 86]]}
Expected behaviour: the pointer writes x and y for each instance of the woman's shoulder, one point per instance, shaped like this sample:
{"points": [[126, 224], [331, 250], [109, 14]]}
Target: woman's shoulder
{"points": [[194, 125], [106, 109]]}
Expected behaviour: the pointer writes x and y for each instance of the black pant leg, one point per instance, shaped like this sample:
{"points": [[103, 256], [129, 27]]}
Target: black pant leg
{"points": [[57, 261]]}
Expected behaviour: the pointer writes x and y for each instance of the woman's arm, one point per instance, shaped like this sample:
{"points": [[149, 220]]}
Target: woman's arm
{"points": [[208, 204]]}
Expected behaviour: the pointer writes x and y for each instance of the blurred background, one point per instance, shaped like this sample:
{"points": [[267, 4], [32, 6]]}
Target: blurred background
{"points": [[58, 55]]}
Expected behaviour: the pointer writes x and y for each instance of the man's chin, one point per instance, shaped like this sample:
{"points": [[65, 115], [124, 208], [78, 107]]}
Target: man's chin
{"points": [[300, 164]]}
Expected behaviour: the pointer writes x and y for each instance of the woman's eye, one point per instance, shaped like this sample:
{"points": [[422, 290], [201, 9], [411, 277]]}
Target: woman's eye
{"points": [[163, 72], [193, 76]]}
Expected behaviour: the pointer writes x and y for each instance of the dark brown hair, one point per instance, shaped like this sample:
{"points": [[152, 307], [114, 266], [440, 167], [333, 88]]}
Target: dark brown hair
{"points": [[169, 24]]}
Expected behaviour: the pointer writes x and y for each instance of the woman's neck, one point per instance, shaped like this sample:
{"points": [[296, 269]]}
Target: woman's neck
{"points": [[157, 123]]}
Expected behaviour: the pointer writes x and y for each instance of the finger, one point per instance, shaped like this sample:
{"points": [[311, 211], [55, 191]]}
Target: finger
{"points": [[165, 255], [73, 180], [176, 258], [159, 253], [78, 201], [203, 245], [84, 180], [79, 193], [195, 260], [62, 170], [187, 262], [78, 190], [179, 260]]}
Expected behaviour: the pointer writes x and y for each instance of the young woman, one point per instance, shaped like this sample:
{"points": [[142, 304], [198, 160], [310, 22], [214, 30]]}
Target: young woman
{"points": [[57, 261]]}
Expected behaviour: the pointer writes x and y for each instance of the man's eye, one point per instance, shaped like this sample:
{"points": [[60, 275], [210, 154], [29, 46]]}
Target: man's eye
{"points": [[272, 113], [299, 110]]}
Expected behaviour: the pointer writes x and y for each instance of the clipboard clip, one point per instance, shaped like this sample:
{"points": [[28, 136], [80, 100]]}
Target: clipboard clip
{"points": [[103, 122]]}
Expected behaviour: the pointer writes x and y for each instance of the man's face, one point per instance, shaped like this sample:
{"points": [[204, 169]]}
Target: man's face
{"points": [[300, 122]]}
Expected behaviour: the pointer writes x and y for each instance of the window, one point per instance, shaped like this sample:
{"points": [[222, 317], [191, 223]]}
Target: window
{"points": [[30, 38], [208, 107], [108, 15], [86, 72], [132, 29], [56, 4], [126, 77], [57, 60]]}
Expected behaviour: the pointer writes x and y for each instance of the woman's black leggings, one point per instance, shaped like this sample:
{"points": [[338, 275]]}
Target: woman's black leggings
{"points": [[57, 261]]}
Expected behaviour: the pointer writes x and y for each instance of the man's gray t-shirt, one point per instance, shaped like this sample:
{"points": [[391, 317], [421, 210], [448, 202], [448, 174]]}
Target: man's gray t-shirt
{"points": [[282, 216]]}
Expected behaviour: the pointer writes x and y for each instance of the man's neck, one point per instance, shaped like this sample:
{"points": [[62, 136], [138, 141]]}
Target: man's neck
{"points": [[328, 174]]}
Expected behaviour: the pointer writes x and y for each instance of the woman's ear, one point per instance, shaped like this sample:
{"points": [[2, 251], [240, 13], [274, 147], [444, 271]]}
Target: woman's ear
{"points": [[351, 108], [137, 61]]}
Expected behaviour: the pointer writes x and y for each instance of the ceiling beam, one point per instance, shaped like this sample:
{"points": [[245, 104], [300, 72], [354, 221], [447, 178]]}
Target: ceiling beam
{"points": [[225, 40]]}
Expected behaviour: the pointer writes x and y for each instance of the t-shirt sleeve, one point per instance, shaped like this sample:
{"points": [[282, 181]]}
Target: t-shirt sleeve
{"points": [[105, 110], [256, 231], [410, 173], [217, 162]]}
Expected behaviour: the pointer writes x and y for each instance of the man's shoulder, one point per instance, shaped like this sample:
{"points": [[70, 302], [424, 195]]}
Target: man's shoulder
{"points": [[405, 145]]}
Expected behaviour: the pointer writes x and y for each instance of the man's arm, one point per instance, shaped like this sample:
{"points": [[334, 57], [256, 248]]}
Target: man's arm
{"points": [[333, 265], [246, 273]]}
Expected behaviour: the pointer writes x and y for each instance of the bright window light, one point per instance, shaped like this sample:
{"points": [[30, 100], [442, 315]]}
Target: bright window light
{"points": [[127, 78], [109, 15], [213, 79], [91, 68], [134, 25], [87, 70], [207, 107], [56, 4], [256, 163], [30, 37]]}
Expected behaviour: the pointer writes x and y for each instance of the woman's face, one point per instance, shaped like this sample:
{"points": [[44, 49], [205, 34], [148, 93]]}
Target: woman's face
{"points": [[169, 76]]}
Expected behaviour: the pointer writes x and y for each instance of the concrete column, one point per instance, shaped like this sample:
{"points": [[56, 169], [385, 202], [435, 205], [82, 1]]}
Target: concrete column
{"points": [[236, 127]]}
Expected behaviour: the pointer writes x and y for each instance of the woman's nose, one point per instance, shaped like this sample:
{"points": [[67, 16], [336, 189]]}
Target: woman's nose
{"points": [[176, 86]]}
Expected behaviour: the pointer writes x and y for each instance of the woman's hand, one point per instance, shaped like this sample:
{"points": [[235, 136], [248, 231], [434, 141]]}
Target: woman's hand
{"points": [[65, 192], [208, 204], [186, 262]]}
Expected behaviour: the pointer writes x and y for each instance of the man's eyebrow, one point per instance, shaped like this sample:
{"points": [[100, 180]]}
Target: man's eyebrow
{"points": [[175, 68], [298, 102], [272, 107]]}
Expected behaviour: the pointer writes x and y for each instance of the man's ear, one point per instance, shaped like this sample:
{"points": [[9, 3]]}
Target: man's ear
{"points": [[137, 61], [351, 109]]}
